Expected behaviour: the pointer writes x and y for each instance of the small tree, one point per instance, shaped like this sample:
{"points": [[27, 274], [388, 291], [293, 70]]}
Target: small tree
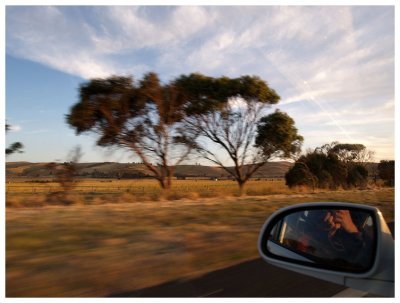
{"points": [[355, 157], [333, 165], [230, 114], [352, 153], [326, 171], [65, 175], [300, 175], [15, 147], [357, 176], [386, 171]]}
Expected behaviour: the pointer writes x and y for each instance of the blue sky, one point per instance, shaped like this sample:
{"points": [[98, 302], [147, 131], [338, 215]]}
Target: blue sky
{"points": [[333, 66]]}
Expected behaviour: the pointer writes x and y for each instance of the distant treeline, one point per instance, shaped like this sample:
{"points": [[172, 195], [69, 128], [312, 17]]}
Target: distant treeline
{"points": [[113, 175], [112, 170], [337, 165]]}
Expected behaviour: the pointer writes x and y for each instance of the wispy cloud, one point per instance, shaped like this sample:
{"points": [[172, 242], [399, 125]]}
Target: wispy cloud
{"points": [[49, 36], [59, 38], [332, 65]]}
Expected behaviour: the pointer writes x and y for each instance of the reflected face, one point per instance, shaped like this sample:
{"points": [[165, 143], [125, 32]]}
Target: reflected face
{"points": [[339, 239]]}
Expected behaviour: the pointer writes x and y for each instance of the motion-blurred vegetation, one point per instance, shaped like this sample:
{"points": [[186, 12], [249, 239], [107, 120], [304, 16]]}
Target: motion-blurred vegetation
{"points": [[99, 250], [163, 124], [332, 166], [101, 191], [15, 147]]}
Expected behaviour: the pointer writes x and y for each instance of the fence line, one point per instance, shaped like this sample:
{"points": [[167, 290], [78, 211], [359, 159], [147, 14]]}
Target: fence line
{"points": [[120, 189]]}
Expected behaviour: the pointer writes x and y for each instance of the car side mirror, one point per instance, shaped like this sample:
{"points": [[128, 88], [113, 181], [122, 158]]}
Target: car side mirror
{"points": [[345, 243]]}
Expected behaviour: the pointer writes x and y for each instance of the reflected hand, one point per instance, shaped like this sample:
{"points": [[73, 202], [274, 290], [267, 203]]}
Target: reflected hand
{"points": [[343, 218], [334, 226]]}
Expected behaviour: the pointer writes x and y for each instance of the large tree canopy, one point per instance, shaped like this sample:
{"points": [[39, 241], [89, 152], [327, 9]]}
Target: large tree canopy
{"points": [[164, 123], [277, 136], [231, 114], [144, 117], [207, 94]]}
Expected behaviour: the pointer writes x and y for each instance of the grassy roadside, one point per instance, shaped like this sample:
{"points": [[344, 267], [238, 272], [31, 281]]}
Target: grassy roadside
{"points": [[95, 250]]}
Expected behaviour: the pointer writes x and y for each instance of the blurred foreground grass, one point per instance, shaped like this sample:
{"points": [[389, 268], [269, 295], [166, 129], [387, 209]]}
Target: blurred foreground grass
{"points": [[97, 250]]}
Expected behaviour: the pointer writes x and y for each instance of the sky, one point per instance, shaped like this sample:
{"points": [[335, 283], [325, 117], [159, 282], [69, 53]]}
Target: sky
{"points": [[333, 66]]}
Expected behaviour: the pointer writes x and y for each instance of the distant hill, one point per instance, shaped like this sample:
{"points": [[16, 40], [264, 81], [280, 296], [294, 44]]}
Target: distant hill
{"points": [[135, 170]]}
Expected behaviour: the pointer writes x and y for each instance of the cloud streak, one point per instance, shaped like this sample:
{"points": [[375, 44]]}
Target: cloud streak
{"points": [[329, 64]]}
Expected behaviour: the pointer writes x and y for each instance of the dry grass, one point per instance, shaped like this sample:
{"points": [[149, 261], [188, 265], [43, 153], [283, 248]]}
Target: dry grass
{"points": [[104, 247], [27, 193], [136, 186], [89, 191]]}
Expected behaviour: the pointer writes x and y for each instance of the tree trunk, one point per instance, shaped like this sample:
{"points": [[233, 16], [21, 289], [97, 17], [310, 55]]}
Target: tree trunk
{"points": [[165, 184], [241, 187], [170, 173]]}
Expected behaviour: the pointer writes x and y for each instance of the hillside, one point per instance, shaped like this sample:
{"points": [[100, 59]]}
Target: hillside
{"points": [[134, 170]]}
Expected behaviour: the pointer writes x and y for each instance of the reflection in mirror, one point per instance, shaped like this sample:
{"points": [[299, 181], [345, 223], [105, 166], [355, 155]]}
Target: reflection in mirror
{"points": [[338, 239]]}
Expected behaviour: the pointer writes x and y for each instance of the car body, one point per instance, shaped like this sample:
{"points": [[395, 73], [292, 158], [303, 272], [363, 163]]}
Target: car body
{"points": [[362, 259]]}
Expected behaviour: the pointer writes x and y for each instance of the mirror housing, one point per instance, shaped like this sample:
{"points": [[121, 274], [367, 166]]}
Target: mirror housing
{"points": [[375, 275]]}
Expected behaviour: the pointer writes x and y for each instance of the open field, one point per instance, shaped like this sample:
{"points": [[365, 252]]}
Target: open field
{"points": [[95, 191], [95, 250]]}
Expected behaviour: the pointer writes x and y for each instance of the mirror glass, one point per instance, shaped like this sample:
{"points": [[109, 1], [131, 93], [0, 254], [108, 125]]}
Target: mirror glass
{"points": [[335, 239]]}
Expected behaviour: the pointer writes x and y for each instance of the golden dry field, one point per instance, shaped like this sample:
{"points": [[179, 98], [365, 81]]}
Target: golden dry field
{"points": [[95, 191], [115, 242]]}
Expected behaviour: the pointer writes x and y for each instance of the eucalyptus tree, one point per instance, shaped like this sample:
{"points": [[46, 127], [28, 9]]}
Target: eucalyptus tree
{"points": [[228, 118], [144, 117], [164, 124]]}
